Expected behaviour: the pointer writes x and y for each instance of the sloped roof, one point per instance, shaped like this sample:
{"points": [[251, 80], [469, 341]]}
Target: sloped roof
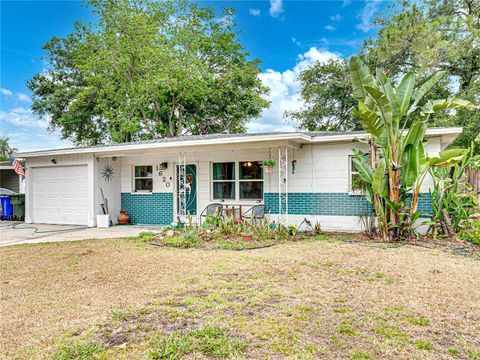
{"points": [[217, 139]]}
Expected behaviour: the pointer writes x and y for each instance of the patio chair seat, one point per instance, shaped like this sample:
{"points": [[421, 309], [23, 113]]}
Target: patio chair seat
{"points": [[256, 212], [212, 209]]}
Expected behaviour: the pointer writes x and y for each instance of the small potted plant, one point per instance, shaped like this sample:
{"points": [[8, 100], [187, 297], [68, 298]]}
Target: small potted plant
{"points": [[269, 164], [247, 235]]}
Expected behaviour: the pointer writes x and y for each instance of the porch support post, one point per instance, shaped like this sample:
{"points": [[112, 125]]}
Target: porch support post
{"points": [[283, 185], [182, 193]]}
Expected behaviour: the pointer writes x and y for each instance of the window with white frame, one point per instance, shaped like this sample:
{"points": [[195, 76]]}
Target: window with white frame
{"points": [[247, 185], [143, 178], [223, 178], [251, 180], [355, 182]]}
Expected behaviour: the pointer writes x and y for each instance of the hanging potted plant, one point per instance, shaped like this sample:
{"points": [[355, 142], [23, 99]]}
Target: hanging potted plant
{"points": [[269, 164]]}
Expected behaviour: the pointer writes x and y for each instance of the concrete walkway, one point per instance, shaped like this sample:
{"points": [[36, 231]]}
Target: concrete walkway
{"points": [[13, 233]]}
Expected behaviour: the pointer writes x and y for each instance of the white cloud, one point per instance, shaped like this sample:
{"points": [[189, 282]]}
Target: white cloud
{"points": [[276, 8], [254, 11], [23, 97], [5, 92], [295, 41], [367, 14], [347, 2], [27, 132], [336, 17], [284, 91], [330, 28], [23, 140], [22, 117]]}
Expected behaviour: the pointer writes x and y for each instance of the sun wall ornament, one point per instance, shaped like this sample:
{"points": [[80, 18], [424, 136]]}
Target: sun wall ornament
{"points": [[107, 173]]}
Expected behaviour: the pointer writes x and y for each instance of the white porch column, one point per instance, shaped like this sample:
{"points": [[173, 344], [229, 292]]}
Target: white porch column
{"points": [[92, 179]]}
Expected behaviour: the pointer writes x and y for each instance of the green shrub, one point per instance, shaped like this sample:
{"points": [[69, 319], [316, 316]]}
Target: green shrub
{"points": [[146, 236], [471, 234], [185, 241]]}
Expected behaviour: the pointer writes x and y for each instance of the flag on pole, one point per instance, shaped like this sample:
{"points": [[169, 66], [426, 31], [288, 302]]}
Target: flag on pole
{"points": [[16, 165]]}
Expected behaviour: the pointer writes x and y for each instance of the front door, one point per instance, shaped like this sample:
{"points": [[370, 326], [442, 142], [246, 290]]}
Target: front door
{"points": [[190, 189]]}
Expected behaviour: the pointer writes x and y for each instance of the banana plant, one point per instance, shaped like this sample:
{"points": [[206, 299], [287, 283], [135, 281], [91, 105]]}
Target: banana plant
{"points": [[453, 198], [397, 164]]}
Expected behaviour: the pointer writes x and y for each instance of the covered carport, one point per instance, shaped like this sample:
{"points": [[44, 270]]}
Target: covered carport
{"points": [[8, 178]]}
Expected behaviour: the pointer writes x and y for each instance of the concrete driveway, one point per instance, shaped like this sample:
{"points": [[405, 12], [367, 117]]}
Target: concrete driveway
{"points": [[13, 233]]}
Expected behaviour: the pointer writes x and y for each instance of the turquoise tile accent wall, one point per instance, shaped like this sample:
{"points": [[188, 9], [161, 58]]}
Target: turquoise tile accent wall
{"points": [[155, 208], [341, 204]]}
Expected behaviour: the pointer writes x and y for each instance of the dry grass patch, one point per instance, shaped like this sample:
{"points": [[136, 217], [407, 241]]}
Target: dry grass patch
{"points": [[125, 299]]}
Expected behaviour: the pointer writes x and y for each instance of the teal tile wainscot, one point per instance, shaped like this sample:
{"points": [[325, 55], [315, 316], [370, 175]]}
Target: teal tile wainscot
{"points": [[340, 204], [154, 208]]}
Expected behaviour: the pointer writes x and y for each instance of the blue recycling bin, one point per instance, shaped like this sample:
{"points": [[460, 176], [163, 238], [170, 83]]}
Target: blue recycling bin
{"points": [[7, 208]]}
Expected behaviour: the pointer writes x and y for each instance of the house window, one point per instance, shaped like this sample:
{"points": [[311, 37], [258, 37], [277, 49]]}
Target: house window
{"points": [[224, 180], [143, 178], [356, 183], [251, 180]]}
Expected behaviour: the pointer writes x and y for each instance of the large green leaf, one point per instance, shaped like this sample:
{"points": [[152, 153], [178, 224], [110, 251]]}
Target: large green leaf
{"points": [[424, 89], [411, 166], [362, 166], [457, 102], [383, 104], [423, 164], [447, 158], [415, 134], [371, 121], [387, 88], [404, 91], [380, 184], [360, 75]]}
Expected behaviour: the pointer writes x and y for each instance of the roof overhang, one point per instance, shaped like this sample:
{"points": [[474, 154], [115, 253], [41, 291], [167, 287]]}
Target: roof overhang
{"points": [[294, 139]]}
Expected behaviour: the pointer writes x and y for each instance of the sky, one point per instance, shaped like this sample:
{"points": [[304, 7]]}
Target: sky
{"points": [[286, 35]]}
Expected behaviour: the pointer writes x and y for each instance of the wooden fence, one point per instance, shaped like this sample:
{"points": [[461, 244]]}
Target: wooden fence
{"points": [[473, 177]]}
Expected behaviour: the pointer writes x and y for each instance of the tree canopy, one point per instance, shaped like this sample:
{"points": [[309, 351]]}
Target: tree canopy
{"points": [[5, 148], [423, 37], [148, 70], [327, 96]]}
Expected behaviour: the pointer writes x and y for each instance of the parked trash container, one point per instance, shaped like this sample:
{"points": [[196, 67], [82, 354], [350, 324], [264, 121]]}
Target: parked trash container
{"points": [[7, 208], [18, 203]]}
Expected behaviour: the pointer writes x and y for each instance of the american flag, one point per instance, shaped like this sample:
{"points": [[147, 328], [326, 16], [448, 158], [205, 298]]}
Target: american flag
{"points": [[16, 165]]}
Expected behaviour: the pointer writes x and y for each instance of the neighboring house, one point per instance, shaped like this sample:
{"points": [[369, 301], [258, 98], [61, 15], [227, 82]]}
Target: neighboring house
{"points": [[9, 179], [312, 178]]}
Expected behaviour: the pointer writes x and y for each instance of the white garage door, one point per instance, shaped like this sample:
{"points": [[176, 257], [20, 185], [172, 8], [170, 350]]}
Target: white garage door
{"points": [[60, 195]]}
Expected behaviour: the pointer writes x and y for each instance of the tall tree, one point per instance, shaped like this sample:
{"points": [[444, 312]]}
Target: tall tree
{"points": [[431, 36], [424, 37], [148, 70], [327, 98], [5, 148]]}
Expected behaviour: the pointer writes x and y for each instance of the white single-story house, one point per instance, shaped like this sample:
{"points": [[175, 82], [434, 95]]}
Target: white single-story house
{"points": [[157, 181]]}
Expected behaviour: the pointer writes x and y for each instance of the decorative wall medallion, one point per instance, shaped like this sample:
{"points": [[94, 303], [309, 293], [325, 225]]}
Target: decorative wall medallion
{"points": [[107, 173]]}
